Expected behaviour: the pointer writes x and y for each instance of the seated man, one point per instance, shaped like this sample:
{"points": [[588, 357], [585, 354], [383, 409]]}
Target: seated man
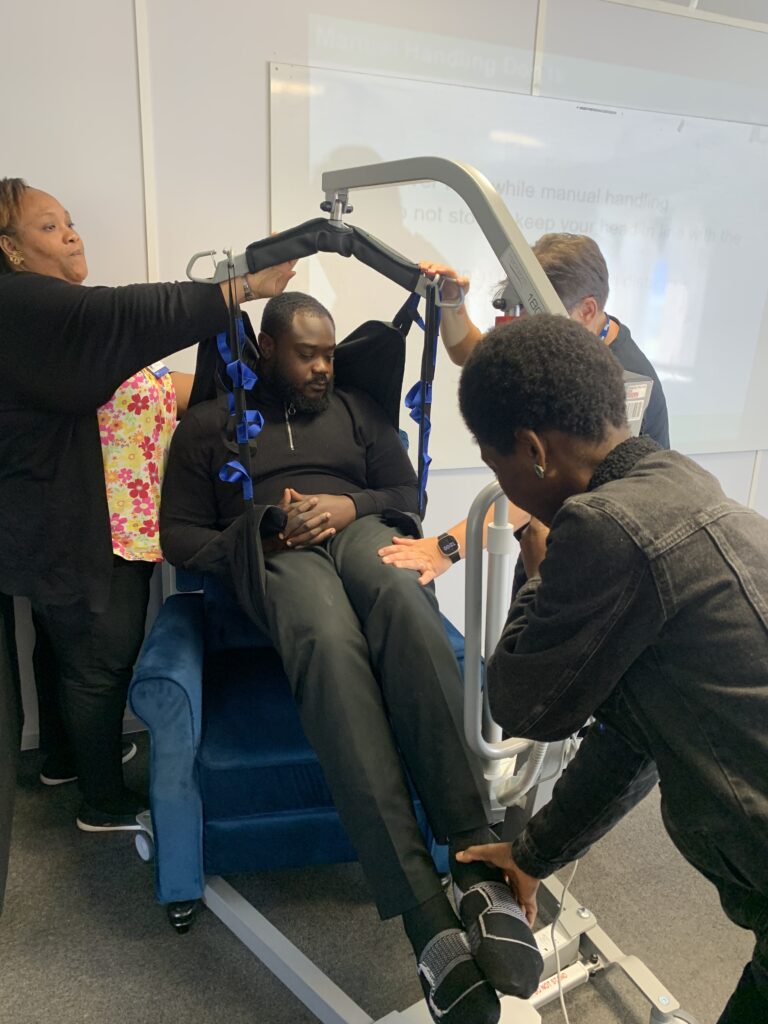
{"points": [[372, 672]]}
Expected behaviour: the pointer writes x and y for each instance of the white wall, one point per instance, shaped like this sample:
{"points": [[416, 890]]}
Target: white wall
{"points": [[157, 140], [70, 124]]}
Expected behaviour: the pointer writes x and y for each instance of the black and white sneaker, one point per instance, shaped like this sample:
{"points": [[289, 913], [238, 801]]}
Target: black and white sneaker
{"points": [[119, 816], [455, 990], [499, 938], [56, 771]]}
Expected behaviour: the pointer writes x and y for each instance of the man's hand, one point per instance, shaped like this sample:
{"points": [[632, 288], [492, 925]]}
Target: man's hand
{"points": [[458, 332], [313, 518], [448, 274], [421, 554], [533, 546], [524, 887]]}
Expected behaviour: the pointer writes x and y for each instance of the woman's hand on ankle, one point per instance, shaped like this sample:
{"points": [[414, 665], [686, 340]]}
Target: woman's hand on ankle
{"points": [[524, 887]]}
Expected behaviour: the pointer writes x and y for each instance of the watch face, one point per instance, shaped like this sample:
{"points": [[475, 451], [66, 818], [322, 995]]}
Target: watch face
{"points": [[448, 545]]}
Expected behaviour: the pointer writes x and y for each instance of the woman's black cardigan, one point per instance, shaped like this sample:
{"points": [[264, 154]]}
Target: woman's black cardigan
{"points": [[64, 350]]}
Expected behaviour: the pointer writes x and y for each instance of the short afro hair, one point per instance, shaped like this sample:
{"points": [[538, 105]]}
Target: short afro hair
{"points": [[541, 372], [279, 312]]}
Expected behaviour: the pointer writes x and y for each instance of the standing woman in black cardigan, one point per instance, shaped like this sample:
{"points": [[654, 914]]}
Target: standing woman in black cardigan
{"points": [[74, 459]]}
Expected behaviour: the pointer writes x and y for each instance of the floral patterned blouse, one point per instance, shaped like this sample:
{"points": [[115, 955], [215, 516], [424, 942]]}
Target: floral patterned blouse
{"points": [[135, 426]]}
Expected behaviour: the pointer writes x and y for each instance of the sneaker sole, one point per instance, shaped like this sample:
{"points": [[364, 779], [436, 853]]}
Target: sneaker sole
{"points": [[130, 753], [48, 781], [85, 827], [500, 940]]}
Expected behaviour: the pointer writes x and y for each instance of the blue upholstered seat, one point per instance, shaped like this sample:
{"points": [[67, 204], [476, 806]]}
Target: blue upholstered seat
{"points": [[234, 784]]}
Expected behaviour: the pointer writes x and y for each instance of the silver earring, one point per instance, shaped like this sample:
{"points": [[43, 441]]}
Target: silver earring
{"points": [[538, 470]]}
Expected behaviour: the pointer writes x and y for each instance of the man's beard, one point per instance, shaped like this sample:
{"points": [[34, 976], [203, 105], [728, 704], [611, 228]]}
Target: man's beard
{"points": [[295, 398]]}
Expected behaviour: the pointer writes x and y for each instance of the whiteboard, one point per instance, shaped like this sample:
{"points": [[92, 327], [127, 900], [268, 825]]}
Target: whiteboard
{"points": [[678, 205]]}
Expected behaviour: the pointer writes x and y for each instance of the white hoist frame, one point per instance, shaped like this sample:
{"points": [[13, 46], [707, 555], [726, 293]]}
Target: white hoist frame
{"points": [[583, 946]]}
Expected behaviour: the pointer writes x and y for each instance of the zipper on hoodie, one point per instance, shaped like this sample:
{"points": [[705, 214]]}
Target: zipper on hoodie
{"points": [[288, 413]]}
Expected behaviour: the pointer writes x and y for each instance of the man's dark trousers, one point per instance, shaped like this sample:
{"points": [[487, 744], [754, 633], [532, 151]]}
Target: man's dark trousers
{"points": [[377, 687]]}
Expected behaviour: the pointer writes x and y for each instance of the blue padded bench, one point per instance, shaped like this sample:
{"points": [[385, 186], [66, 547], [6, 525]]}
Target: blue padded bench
{"points": [[234, 784]]}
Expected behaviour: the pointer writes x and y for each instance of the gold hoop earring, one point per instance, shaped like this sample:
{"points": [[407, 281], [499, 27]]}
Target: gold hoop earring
{"points": [[538, 470], [16, 258]]}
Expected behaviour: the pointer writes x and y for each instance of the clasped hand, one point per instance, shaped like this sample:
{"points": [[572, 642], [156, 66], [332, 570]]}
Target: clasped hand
{"points": [[313, 518], [533, 546]]}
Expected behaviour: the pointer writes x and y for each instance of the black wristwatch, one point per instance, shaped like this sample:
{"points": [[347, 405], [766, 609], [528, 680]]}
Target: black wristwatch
{"points": [[449, 547]]}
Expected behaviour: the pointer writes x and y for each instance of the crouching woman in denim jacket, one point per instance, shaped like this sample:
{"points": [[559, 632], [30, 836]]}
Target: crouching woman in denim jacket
{"points": [[646, 607]]}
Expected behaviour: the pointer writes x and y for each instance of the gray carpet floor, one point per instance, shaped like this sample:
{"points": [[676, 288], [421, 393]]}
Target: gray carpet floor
{"points": [[81, 939]]}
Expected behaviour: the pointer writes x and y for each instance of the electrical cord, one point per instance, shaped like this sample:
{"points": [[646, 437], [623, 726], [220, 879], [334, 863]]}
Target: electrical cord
{"points": [[566, 887]]}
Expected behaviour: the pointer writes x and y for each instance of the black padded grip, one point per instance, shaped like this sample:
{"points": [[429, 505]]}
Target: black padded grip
{"points": [[292, 244], [386, 261], [320, 235]]}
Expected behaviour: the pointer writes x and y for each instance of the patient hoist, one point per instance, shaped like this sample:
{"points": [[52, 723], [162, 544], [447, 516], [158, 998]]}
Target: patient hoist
{"points": [[520, 773]]}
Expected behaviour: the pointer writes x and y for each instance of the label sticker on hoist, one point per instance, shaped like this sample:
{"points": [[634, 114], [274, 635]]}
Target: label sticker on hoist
{"points": [[517, 275], [637, 394]]}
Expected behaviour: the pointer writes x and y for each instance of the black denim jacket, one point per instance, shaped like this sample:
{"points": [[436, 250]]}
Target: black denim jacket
{"points": [[651, 613]]}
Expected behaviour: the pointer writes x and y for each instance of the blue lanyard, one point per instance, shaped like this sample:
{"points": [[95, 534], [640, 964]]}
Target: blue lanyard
{"points": [[606, 328]]}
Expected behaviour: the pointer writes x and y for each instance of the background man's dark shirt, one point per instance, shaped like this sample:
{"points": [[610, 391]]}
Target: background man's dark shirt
{"points": [[655, 422]]}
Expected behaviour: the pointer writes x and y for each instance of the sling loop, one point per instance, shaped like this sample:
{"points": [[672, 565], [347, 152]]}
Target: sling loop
{"points": [[418, 401], [248, 422]]}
